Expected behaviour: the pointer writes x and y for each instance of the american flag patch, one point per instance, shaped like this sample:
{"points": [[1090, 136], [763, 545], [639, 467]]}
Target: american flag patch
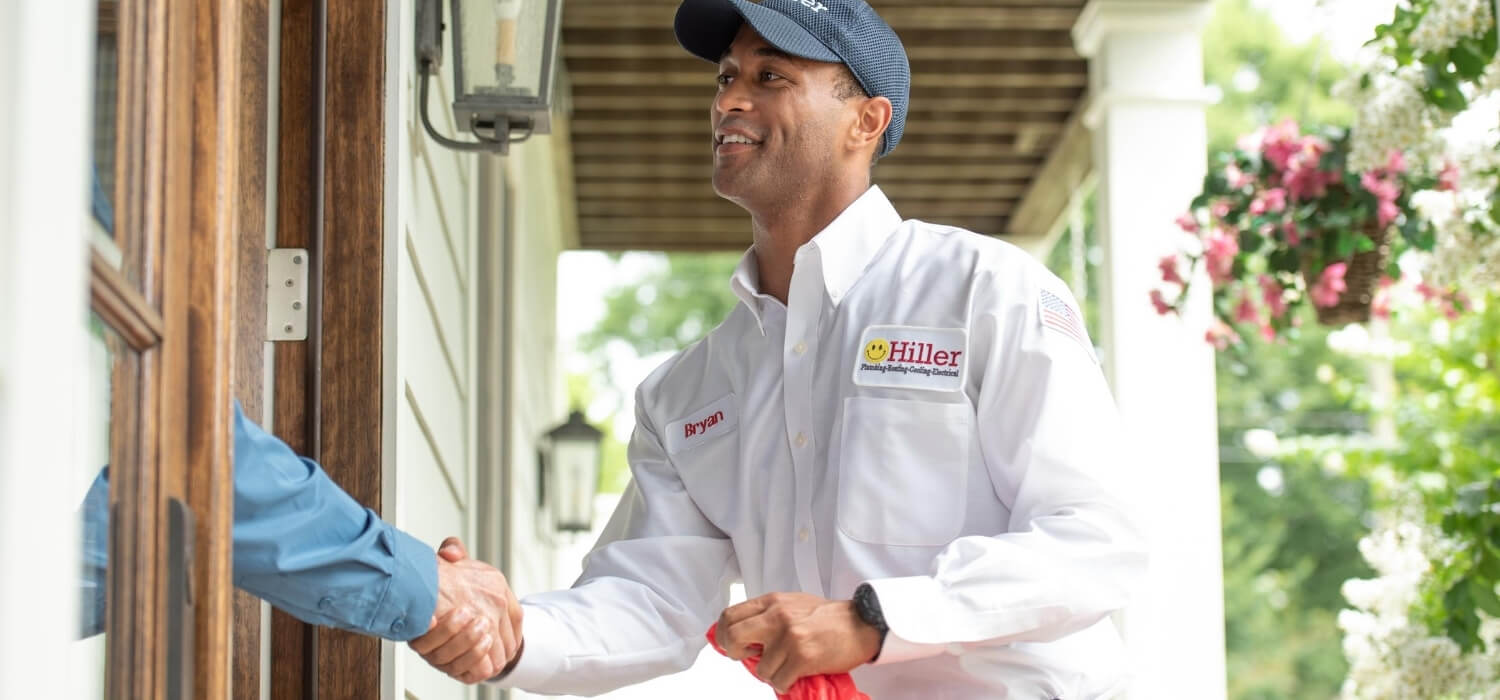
{"points": [[1059, 316]]}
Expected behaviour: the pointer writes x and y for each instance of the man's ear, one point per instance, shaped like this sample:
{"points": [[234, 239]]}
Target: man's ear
{"points": [[871, 122]]}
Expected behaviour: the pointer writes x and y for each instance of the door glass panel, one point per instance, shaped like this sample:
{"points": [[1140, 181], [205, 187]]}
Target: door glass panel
{"points": [[90, 483]]}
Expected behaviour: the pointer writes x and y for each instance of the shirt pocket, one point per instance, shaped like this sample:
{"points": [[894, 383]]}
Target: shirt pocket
{"points": [[903, 470]]}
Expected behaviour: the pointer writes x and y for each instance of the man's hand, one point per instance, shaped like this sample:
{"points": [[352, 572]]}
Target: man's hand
{"points": [[797, 635], [476, 629]]}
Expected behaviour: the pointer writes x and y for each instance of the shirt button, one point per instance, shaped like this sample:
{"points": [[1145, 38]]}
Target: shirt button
{"points": [[398, 625], [801, 440], [802, 535], [325, 604], [800, 348]]}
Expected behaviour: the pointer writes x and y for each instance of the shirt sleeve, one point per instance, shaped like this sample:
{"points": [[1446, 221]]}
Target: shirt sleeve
{"points": [[306, 546], [1052, 444], [649, 590], [94, 574]]}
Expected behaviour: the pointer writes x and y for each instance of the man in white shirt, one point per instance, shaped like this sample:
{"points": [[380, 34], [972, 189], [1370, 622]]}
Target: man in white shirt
{"points": [[900, 441]]}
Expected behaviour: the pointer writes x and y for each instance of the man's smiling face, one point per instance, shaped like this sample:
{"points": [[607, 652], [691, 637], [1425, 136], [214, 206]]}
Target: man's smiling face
{"points": [[776, 121]]}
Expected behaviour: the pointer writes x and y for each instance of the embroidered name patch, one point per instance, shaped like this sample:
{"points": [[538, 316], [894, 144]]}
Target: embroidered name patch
{"points": [[714, 419], [912, 357]]}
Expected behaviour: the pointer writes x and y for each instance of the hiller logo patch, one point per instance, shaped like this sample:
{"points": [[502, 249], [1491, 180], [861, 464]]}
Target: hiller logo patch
{"points": [[912, 357]]}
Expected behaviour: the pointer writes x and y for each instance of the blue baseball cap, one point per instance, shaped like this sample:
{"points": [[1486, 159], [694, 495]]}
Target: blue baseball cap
{"points": [[832, 31]]}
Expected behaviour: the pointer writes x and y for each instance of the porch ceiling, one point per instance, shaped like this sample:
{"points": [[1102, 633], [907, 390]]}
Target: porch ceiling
{"points": [[994, 83]]}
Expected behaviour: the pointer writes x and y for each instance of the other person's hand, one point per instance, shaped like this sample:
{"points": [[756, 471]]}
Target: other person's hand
{"points": [[475, 630]]}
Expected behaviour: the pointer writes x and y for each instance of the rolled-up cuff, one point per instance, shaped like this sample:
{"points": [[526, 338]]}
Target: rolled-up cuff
{"points": [[543, 656], [906, 602], [406, 610]]}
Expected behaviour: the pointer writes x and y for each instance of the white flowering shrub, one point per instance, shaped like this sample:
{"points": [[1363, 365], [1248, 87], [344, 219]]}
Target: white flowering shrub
{"points": [[1393, 657]]}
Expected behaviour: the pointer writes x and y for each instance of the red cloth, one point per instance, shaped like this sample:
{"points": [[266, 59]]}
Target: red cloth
{"points": [[825, 686]]}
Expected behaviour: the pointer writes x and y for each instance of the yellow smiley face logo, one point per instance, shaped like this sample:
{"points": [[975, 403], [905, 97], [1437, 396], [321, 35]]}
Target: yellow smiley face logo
{"points": [[877, 350]]}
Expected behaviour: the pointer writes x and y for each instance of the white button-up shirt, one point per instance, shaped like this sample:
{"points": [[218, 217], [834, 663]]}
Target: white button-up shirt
{"points": [[925, 414]]}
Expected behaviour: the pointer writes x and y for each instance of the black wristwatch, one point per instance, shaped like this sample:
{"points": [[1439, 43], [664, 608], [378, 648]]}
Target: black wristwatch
{"points": [[867, 606]]}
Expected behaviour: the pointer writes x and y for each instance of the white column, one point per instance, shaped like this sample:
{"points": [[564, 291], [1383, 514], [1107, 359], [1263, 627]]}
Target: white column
{"points": [[45, 74], [1146, 114]]}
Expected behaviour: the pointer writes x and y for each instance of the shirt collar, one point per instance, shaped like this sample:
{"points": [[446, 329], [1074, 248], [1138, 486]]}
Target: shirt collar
{"points": [[850, 242], [845, 248]]}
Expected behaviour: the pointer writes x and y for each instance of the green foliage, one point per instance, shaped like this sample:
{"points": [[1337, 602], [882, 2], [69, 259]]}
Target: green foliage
{"points": [[1448, 447], [614, 470], [1291, 81], [670, 307], [1445, 71]]}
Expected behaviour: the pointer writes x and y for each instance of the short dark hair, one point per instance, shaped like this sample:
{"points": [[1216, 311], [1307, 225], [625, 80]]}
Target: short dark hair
{"points": [[845, 86]]}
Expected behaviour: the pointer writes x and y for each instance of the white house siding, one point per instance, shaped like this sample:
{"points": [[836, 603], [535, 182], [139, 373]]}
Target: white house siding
{"points": [[444, 202], [431, 389]]}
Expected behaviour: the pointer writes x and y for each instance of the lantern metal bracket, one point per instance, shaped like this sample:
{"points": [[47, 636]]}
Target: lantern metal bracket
{"points": [[495, 132]]}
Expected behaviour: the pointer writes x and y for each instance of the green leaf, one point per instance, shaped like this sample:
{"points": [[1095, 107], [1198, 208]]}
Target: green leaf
{"points": [[1489, 564], [1467, 60], [1345, 245], [1487, 43], [1484, 596], [1363, 244], [1393, 269], [1443, 91], [1284, 260]]}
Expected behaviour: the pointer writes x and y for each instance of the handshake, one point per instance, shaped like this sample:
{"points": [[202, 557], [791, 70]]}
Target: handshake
{"points": [[475, 633]]}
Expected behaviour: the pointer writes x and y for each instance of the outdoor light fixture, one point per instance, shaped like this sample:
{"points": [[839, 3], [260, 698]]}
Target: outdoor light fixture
{"points": [[570, 473], [505, 61]]}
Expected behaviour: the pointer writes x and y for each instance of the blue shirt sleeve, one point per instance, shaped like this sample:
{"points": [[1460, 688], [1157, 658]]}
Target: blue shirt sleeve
{"points": [[307, 547], [95, 561]]}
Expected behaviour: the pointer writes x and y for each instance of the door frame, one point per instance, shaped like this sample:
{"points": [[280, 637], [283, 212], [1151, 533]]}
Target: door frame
{"points": [[332, 192]]}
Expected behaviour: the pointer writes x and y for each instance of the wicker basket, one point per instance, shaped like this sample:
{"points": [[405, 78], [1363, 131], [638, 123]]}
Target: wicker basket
{"points": [[1361, 280]]}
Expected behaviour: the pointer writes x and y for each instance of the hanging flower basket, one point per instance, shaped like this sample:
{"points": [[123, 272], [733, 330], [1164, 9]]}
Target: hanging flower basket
{"points": [[1362, 275], [1282, 224]]}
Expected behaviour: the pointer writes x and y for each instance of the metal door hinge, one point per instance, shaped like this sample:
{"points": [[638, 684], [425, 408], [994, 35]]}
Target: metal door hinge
{"points": [[286, 294]]}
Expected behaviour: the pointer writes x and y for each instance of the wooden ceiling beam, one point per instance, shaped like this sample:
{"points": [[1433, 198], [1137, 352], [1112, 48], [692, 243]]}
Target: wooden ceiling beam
{"points": [[633, 149], [705, 80], [902, 19], [996, 52], [701, 127], [698, 105]]}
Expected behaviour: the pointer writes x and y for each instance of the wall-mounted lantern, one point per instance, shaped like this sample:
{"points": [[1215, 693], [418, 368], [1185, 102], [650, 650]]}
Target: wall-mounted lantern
{"points": [[505, 62]]}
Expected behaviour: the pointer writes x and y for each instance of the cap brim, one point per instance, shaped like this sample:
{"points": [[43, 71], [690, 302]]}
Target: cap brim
{"points": [[706, 28]]}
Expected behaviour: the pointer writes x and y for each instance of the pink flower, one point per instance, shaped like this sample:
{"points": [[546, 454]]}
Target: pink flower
{"points": [[1220, 335], [1304, 181], [1272, 200], [1267, 332], [1280, 143], [1220, 209], [1237, 178], [1168, 267], [1386, 212], [1395, 162], [1293, 234], [1160, 302], [1380, 306], [1386, 190], [1383, 189], [1330, 285], [1244, 312], [1220, 249], [1448, 177], [1272, 294], [1187, 222]]}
